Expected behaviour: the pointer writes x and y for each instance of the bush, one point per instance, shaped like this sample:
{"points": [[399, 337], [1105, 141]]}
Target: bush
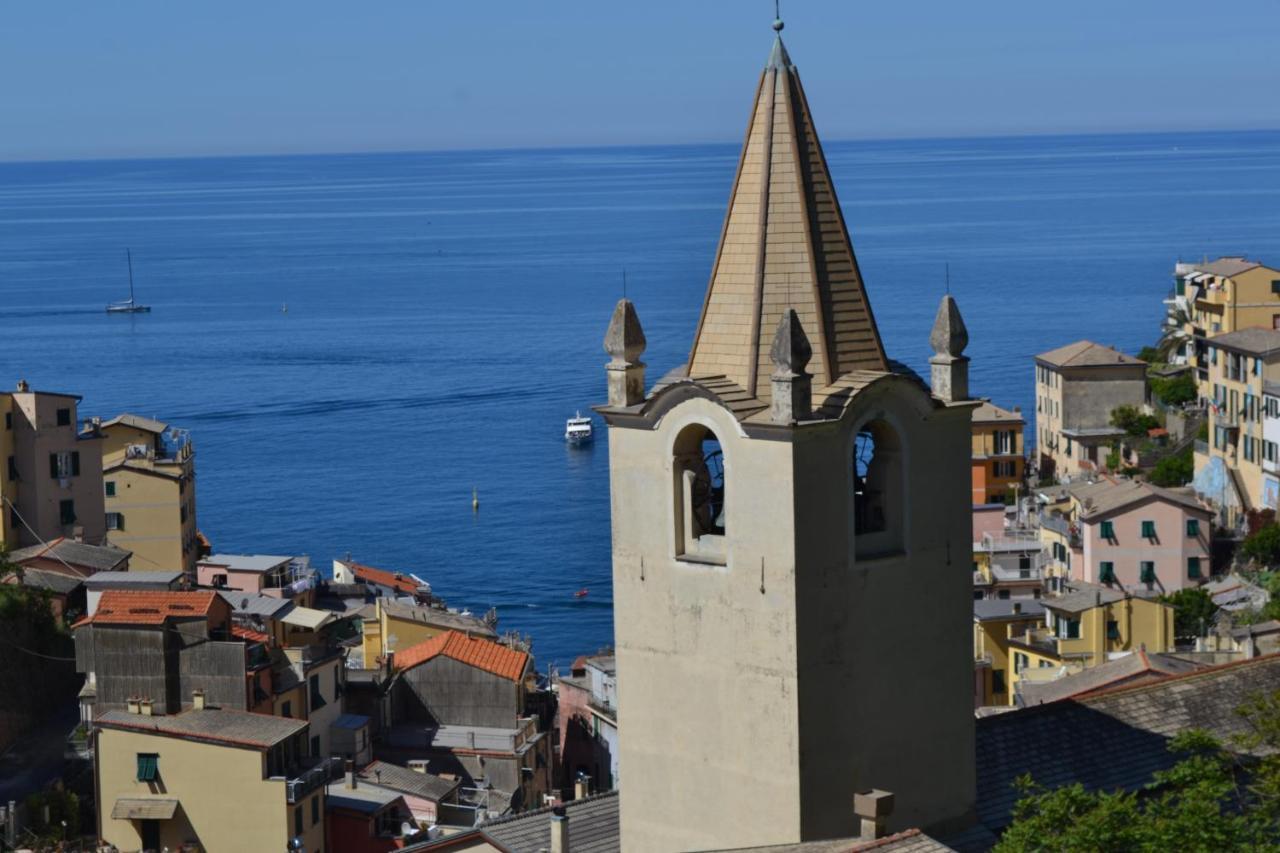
{"points": [[1133, 421], [1174, 391], [1193, 612], [1176, 470], [1263, 546], [1150, 355]]}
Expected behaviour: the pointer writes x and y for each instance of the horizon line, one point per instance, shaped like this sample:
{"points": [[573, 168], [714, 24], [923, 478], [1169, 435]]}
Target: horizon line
{"points": [[374, 152]]}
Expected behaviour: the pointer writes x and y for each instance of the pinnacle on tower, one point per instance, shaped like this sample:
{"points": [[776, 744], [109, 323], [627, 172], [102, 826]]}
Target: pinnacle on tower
{"points": [[949, 365], [624, 342], [792, 387]]}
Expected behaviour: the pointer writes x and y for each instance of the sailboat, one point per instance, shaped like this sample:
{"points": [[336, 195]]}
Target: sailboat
{"points": [[129, 306]]}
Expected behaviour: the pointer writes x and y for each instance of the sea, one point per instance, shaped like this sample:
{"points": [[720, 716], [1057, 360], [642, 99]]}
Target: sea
{"points": [[359, 343]]}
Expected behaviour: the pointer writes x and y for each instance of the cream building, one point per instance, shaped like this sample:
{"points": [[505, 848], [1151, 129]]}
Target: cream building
{"points": [[1077, 388], [52, 483], [149, 484], [213, 778], [775, 502], [1221, 296]]}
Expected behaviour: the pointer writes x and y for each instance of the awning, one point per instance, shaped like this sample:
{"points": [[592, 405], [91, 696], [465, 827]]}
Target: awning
{"points": [[306, 617], [143, 809]]}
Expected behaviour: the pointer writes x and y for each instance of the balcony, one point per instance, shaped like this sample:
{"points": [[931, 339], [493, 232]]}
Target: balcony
{"points": [[317, 774]]}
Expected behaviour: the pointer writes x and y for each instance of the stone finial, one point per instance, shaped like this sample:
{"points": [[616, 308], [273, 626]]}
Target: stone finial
{"points": [[792, 398], [949, 336], [949, 366], [624, 341]]}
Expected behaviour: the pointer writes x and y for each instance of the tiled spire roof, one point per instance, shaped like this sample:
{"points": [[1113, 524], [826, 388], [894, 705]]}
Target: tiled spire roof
{"points": [[784, 244]]}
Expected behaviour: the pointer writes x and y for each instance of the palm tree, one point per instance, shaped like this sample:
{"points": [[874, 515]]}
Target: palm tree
{"points": [[1173, 333]]}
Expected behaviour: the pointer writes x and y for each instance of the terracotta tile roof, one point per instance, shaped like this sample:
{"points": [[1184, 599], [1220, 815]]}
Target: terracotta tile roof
{"points": [[148, 607], [407, 584], [474, 651], [249, 634]]}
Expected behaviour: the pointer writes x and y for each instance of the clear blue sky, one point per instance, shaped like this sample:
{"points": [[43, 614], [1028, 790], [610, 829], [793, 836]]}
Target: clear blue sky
{"points": [[158, 77]]}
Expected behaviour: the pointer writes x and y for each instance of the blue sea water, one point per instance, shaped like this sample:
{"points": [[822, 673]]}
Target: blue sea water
{"points": [[446, 310]]}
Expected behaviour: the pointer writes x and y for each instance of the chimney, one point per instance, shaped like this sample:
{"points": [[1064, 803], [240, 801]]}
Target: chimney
{"points": [[559, 830], [144, 706], [197, 700], [582, 787], [872, 807], [1017, 608], [132, 705], [351, 775]]}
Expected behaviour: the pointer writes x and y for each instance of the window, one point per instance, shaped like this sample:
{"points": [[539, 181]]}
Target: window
{"points": [[148, 766], [110, 486], [1148, 530], [115, 521], [877, 489], [1108, 530], [298, 827], [1147, 572], [1113, 629], [286, 710], [1193, 567], [1020, 662], [1072, 630], [315, 809], [1106, 572], [317, 701], [1275, 286], [1193, 527], [1004, 593], [8, 420], [13, 468], [64, 464], [700, 490], [67, 511], [997, 681], [64, 417], [315, 745]]}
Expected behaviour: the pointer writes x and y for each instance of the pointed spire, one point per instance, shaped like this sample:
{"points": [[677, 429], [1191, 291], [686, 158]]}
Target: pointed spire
{"points": [[624, 341], [949, 366], [949, 336], [784, 245], [792, 388]]}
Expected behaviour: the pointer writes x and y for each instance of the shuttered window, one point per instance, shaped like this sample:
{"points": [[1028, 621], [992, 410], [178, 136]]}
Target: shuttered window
{"points": [[148, 766], [1148, 530], [1193, 567], [1108, 530]]}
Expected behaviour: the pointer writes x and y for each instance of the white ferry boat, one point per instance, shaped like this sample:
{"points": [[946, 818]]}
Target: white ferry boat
{"points": [[577, 430]]}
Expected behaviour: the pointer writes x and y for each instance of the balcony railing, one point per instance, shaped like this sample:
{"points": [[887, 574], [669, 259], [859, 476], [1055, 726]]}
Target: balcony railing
{"points": [[303, 782]]}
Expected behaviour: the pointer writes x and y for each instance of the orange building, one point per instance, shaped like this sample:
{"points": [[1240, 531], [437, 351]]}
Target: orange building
{"points": [[998, 462]]}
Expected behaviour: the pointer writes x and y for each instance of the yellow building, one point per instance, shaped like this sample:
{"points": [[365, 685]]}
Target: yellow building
{"points": [[149, 483], [214, 778], [1086, 626], [1078, 386], [400, 624], [1223, 296], [994, 621], [1240, 364], [998, 462], [52, 483]]}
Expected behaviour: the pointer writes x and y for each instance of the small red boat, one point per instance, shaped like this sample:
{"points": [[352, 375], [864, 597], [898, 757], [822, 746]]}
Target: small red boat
{"points": [[582, 593]]}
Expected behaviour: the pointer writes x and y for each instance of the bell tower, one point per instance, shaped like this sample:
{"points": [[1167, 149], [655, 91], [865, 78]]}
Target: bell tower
{"points": [[791, 538]]}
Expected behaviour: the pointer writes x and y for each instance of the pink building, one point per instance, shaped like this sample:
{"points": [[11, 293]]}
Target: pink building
{"points": [[988, 519], [1141, 537], [281, 577]]}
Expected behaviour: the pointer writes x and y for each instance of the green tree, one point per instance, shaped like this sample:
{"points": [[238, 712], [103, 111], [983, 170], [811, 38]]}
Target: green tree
{"points": [[1263, 546], [1193, 611], [1175, 470], [1132, 420], [1150, 355], [1175, 390]]}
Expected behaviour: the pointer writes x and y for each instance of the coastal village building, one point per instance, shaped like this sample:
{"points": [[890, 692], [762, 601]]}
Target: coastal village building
{"points": [[61, 568], [1086, 626], [1008, 565], [809, 486], [382, 582], [460, 703], [588, 724], [1077, 388], [213, 778], [1222, 296], [994, 622], [431, 799], [1138, 667], [999, 460], [364, 817], [1229, 467], [276, 576], [149, 488], [52, 486], [398, 624], [1140, 537]]}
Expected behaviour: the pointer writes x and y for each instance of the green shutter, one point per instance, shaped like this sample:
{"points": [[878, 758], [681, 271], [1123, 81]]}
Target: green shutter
{"points": [[1108, 530], [1193, 567], [1148, 530], [1148, 574], [147, 769], [1193, 527], [1107, 572]]}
